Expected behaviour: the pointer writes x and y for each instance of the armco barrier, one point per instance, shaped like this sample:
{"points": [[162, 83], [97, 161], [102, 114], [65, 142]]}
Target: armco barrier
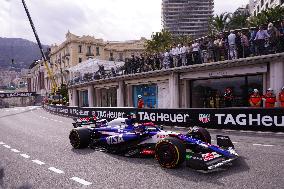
{"points": [[230, 118]]}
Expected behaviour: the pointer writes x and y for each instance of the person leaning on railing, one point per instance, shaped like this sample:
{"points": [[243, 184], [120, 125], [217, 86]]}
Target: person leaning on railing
{"points": [[260, 38]]}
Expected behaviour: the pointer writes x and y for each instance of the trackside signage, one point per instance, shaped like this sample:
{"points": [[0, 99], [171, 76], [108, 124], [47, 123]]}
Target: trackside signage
{"points": [[235, 118], [17, 94]]}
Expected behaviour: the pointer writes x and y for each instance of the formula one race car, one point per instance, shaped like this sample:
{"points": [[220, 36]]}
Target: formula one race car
{"points": [[169, 148]]}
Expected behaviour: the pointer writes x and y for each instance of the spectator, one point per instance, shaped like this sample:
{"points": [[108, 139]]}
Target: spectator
{"points": [[196, 52], [166, 60], [211, 51], [189, 55], [245, 45], [252, 33], [232, 45], [175, 52], [269, 98], [273, 39], [183, 51], [217, 45], [255, 99], [239, 47], [140, 103], [260, 38], [228, 97]]}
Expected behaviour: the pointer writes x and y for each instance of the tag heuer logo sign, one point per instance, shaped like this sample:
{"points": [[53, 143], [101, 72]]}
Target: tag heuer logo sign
{"points": [[204, 118]]}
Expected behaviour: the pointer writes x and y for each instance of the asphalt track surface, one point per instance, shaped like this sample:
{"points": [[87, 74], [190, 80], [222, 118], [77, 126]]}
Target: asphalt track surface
{"points": [[35, 153]]}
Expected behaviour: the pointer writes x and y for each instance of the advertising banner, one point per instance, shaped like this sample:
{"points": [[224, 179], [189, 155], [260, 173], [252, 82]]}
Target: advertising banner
{"points": [[226, 118], [17, 94]]}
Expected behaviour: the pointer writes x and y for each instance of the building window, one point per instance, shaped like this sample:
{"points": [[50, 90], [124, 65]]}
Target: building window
{"points": [[258, 8], [262, 3], [97, 51], [266, 6], [89, 49], [83, 95], [208, 93], [149, 95], [80, 60], [111, 56], [120, 56], [109, 97], [80, 48]]}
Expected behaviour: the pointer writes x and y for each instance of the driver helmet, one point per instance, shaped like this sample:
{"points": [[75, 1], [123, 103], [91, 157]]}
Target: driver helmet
{"points": [[282, 88], [139, 96], [269, 89], [255, 91]]}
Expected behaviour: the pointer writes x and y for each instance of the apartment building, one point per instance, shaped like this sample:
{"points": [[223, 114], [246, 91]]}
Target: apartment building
{"points": [[187, 17]]}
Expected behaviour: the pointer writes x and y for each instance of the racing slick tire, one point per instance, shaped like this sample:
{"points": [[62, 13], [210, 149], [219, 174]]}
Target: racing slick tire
{"points": [[201, 134], [170, 152], [80, 138]]}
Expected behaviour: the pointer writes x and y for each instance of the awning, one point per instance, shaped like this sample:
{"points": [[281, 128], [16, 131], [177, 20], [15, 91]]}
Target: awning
{"points": [[92, 65]]}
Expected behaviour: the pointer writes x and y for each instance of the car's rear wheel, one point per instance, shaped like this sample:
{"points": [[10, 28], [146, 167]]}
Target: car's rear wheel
{"points": [[80, 138], [170, 152]]}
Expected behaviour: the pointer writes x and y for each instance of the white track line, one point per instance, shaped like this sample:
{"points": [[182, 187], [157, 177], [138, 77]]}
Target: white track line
{"points": [[268, 145], [235, 142], [2, 143], [7, 146], [25, 156], [55, 170], [15, 150], [38, 162], [257, 144], [81, 181]]}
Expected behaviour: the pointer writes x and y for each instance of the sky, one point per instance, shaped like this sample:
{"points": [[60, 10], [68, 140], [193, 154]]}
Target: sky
{"points": [[111, 20]]}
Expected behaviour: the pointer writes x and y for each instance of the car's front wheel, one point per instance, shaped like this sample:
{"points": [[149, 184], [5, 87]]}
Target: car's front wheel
{"points": [[170, 152], [80, 138]]}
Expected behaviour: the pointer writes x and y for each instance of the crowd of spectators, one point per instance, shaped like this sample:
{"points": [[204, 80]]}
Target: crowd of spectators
{"points": [[228, 45], [234, 44]]}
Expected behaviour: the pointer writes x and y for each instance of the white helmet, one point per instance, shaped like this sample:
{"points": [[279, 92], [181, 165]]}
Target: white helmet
{"points": [[282, 88], [269, 89], [255, 90], [139, 96]]}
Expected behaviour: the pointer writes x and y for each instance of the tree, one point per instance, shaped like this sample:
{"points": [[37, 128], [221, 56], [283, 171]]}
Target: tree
{"points": [[238, 20], [270, 15], [159, 42], [182, 39], [219, 22]]}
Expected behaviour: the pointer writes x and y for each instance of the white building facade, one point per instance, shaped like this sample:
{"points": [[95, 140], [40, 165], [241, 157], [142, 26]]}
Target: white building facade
{"points": [[196, 86], [256, 6]]}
